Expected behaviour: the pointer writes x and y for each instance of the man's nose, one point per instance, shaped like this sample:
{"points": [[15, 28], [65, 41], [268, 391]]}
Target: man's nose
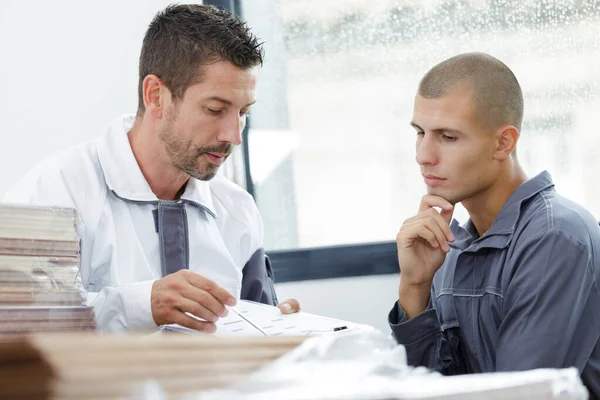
{"points": [[231, 130], [426, 151]]}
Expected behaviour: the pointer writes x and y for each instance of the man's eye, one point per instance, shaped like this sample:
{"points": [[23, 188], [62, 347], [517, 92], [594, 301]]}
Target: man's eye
{"points": [[450, 138], [244, 113], [419, 133], [213, 111]]}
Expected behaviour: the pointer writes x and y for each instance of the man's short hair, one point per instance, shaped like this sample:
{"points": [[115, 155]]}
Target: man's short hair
{"points": [[497, 94], [183, 38]]}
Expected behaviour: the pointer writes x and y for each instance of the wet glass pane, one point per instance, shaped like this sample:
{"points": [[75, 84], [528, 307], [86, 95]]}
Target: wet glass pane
{"points": [[337, 100]]}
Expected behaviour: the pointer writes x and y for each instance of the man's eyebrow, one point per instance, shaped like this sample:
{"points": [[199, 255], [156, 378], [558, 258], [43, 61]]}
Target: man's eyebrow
{"points": [[417, 127], [227, 102], [446, 130], [220, 100], [437, 130]]}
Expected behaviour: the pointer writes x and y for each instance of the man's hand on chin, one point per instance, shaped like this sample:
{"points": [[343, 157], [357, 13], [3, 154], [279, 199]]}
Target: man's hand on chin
{"points": [[289, 306]]}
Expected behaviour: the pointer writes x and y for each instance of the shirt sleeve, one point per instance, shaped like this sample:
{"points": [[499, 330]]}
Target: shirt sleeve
{"points": [[126, 307], [550, 315], [258, 283], [122, 308], [427, 345]]}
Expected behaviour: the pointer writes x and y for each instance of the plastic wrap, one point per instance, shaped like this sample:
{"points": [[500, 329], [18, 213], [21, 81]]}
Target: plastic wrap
{"points": [[362, 364], [26, 280], [369, 365]]}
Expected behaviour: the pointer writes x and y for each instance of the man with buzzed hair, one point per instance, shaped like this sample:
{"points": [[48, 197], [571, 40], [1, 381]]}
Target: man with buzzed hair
{"points": [[518, 286]]}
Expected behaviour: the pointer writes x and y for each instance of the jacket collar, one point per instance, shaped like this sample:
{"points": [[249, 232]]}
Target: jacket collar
{"points": [[500, 233], [124, 177]]}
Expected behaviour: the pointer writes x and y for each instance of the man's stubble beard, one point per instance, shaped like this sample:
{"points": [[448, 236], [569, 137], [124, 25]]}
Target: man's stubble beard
{"points": [[185, 157]]}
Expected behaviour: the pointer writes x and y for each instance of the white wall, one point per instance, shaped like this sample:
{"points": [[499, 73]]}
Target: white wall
{"points": [[67, 68]]}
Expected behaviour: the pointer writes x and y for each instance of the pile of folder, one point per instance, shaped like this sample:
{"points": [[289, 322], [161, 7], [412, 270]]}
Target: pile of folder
{"points": [[83, 365], [40, 284]]}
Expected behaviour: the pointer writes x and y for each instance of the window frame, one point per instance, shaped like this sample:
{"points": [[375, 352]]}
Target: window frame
{"points": [[312, 263]]}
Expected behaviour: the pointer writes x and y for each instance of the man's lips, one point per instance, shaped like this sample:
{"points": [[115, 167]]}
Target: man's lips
{"points": [[216, 158], [432, 180]]}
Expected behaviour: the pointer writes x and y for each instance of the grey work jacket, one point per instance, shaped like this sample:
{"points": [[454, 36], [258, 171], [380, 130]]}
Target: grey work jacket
{"points": [[525, 295]]}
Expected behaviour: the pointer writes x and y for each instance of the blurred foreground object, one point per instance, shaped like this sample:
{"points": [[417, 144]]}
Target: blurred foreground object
{"points": [[88, 366]]}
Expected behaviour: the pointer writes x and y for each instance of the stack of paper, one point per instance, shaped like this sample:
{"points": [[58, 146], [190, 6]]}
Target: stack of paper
{"points": [[249, 318], [40, 285], [48, 231], [89, 366]]}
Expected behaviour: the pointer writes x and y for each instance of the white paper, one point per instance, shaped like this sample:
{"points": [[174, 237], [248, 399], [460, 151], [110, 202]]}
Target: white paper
{"points": [[272, 322]]}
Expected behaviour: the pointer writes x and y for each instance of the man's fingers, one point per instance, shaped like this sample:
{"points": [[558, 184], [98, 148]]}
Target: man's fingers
{"points": [[289, 306], [190, 306], [421, 232], [443, 223], [427, 230], [222, 295], [447, 215], [432, 225], [206, 299], [429, 201], [430, 214], [192, 323]]}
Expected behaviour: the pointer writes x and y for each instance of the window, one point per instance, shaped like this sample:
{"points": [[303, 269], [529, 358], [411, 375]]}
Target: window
{"points": [[331, 149]]}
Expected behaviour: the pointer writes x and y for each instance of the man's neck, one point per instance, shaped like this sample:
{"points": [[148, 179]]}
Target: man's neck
{"points": [[165, 181], [485, 207]]}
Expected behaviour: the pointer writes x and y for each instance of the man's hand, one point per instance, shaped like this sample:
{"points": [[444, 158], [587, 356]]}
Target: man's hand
{"points": [[289, 306], [422, 246], [186, 291], [423, 240]]}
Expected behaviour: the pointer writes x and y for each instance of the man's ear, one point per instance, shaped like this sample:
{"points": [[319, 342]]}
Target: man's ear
{"points": [[154, 93], [507, 138]]}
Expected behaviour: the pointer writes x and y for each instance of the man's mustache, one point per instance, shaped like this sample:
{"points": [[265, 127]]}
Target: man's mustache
{"points": [[225, 148]]}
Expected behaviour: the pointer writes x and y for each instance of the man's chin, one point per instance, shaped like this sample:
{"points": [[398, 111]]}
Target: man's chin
{"points": [[434, 191], [443, 194], [205, 174]]}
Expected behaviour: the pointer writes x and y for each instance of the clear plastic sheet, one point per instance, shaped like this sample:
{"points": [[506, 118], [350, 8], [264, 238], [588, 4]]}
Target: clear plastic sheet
{"points": [[40, 281], [357, 364], [369, 365]]}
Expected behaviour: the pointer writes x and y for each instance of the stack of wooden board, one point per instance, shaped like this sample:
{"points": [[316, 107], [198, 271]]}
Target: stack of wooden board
{"points": [[83, 365], [40, 284]]}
